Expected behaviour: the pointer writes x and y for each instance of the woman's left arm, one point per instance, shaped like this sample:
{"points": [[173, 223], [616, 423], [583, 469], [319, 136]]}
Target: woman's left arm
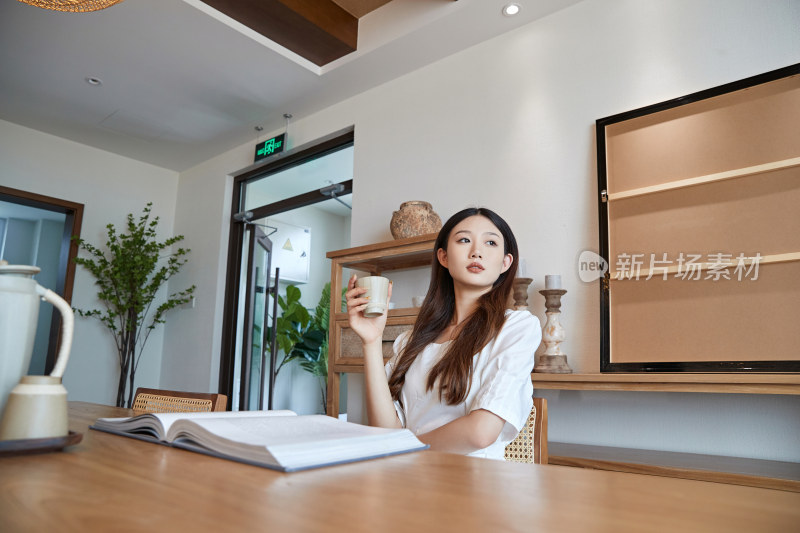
{"points": [[466, 434]]}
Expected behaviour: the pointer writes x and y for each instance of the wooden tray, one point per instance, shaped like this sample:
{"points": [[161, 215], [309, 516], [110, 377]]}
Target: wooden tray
{"points": [[31, 446]]}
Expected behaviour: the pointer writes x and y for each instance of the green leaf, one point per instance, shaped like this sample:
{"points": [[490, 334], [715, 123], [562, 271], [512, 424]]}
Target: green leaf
{"points": [[292, 294]]}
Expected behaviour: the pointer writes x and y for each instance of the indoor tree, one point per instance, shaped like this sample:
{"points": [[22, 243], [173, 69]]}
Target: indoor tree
{"points": [[129, 275]]}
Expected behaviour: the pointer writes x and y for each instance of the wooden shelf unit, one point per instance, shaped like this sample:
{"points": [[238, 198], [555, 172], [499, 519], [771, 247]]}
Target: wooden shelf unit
{"points": [[713, 176], [376, 259], [718, 469], [739, 383], [731, 470]]}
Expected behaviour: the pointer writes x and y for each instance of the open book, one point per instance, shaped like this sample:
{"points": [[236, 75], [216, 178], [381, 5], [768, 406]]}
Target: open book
{"points": [[280, 440]]}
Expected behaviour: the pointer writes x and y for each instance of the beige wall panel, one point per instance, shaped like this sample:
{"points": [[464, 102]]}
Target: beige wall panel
{"points": [[737, 130], [744, 215], [726, 320]]}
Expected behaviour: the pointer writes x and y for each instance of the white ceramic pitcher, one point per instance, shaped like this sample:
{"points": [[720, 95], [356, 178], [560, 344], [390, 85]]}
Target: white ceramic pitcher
{"points": [[38, 400]]}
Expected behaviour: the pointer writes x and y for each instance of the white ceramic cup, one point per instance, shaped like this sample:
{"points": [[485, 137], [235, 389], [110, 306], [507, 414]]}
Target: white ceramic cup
{"points": [[377, 292]]}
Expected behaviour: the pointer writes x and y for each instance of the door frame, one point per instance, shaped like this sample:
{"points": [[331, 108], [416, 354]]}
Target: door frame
{"points": [[271, 165]]}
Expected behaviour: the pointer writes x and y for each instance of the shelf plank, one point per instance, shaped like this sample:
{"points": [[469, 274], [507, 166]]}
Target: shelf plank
{"points": [[381, 249], [710, 178], [732, 470], [744, 383], [367, 262], [703, 267]]}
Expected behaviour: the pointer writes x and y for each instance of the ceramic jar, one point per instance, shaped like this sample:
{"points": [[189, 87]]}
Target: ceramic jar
{"points": [[414, 218]]}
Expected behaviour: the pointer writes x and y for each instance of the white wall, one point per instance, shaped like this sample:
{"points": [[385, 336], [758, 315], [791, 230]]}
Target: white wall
{"points": [[509, 124], [110, 187], [193, 339], [506, 124]]}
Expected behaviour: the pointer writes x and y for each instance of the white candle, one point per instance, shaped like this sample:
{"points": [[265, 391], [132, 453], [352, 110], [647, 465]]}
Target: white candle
{"points": [[522, 270], [552, 282]]}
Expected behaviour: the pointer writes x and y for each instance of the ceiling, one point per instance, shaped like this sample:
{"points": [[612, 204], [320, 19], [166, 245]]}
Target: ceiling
{"points": [[182, 82], [321, 31]]}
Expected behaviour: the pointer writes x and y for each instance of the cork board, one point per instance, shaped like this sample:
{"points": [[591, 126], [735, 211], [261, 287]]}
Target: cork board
{"points": [[700, 225]]}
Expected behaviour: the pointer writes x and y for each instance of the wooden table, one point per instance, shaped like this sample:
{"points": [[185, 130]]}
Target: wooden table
{"points": [[112, 483]]}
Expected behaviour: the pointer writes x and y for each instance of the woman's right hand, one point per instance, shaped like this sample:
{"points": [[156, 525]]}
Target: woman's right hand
{"points": [[369, 330]]}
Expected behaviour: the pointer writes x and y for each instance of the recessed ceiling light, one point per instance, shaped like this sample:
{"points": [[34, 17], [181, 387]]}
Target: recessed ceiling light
{"points": [[91, 80], [510, 10]]}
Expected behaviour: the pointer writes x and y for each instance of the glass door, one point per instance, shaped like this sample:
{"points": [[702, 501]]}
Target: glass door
{"points": [[258, 313]]}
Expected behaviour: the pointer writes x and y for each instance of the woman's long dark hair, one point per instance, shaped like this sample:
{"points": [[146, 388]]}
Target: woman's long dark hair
{"points": [[454, 371]]}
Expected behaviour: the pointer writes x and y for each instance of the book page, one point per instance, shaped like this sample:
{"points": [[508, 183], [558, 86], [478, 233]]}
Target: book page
{"points": [[293, 442], [264, 431], [159, 424], [144, 425]]}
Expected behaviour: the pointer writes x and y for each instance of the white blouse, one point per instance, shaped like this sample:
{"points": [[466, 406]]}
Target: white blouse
{"points": [[501, 382]]}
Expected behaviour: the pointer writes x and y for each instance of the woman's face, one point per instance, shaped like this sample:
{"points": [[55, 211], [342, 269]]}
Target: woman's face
{"points": [[475, 254]]}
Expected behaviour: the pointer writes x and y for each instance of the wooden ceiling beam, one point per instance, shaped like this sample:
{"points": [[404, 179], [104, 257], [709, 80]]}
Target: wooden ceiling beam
{"points": [[359, 8], [318, 30]]}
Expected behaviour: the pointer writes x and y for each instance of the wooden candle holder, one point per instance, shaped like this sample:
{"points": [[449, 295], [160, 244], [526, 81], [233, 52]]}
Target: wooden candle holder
{"points": [[553, 361], [520, 293]]}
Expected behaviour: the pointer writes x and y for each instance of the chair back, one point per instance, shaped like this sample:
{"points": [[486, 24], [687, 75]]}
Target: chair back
{"points": [[170, 401], [530, 446]]}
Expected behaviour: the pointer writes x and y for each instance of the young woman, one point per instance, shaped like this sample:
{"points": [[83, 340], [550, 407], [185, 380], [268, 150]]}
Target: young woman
{"points": [[461, 379]]}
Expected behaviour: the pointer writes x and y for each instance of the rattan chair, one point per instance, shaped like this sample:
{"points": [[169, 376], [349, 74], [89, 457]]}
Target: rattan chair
{"points": [[170, 401], [530, 446]]}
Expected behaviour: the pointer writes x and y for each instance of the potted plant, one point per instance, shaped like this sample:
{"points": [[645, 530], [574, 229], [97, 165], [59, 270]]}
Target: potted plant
{"points": [[303, 337], [129, 274]]}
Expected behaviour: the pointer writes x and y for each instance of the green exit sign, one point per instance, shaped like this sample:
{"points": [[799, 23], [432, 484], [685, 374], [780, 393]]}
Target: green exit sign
{"points": [[270, 147]]}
